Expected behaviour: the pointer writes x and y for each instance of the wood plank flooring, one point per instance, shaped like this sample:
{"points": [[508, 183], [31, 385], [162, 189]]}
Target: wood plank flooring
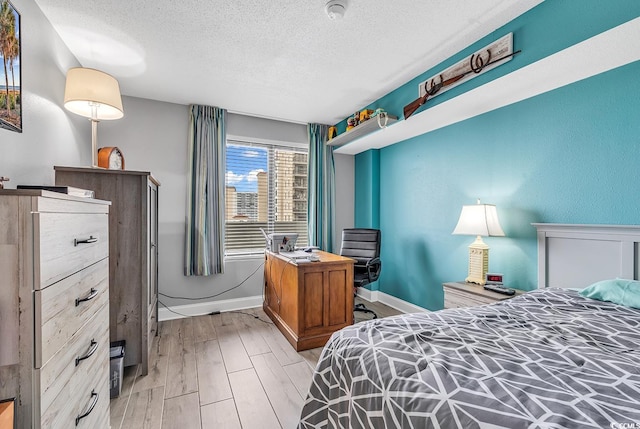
{"points": [[229, 371]]}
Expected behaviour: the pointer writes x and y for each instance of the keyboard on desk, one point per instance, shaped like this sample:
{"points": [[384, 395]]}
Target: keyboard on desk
{"points": [[298, 254]]}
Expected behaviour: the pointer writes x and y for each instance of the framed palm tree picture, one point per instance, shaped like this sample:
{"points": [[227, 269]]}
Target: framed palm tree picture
{"points": [[10, 76]]}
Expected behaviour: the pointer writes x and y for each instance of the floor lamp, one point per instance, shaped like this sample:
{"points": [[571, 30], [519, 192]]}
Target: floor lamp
{"points": [[94, 95]]}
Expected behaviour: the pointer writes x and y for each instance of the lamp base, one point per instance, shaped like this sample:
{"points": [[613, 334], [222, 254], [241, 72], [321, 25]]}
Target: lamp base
{"points": [[478, 262], [94, 143]]}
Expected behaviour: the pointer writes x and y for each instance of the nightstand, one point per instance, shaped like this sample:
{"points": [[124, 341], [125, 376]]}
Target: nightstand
{"points": [[462, 294]]}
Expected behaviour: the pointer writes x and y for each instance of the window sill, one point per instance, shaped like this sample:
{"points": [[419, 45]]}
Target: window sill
{"points": [[247, 257]]}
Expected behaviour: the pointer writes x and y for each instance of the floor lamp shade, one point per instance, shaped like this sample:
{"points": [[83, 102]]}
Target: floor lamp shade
{"points": [[94, 95], [479, 220], [88, 86]]}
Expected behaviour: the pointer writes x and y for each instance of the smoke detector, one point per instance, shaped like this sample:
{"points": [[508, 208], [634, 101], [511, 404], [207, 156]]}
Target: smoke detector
{"points": [[335, 9]]}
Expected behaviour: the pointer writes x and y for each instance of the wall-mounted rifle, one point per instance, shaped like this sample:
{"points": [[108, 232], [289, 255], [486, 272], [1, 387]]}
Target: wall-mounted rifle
{"points": [[476, 65]]}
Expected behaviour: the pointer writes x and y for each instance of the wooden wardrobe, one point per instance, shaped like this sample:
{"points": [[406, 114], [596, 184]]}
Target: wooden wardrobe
{"points": [[133, 252]]}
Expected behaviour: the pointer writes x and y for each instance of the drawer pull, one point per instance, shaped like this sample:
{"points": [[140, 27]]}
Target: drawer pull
{"points": [[92, 349], [94, 401], [92, 294], [91, 239]]}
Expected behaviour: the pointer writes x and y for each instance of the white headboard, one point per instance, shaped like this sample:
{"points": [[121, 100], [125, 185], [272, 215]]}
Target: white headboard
{"points": [[578, 255]]}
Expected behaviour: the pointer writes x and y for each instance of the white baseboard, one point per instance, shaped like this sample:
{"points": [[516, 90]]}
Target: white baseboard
{"points": [[208, 307], [364, 293], [391, 301], [199, 309]]}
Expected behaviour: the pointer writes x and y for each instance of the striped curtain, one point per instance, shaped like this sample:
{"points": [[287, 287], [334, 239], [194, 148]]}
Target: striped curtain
{"points": [[204, 253], [321, 188]]}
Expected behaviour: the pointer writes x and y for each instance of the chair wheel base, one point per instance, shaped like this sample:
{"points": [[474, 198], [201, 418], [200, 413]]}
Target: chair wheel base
{"points": [[363, 309]]}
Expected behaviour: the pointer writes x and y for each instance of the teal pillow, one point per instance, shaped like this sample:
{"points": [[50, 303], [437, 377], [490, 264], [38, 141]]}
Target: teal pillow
{"points": [[619, 291]]}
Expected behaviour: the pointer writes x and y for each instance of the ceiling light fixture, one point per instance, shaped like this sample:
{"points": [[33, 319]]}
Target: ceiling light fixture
{"points": [[335, 9]]}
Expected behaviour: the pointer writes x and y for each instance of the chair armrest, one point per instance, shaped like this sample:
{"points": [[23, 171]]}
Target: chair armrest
{"points": [[373, 268]]}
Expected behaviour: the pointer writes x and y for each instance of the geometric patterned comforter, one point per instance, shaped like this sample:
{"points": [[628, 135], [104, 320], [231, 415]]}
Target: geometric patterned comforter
{"points": [[546, 359]]}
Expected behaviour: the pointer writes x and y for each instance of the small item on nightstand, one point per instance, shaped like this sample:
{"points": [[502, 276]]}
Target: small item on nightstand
{"points": [[500, 289], [494, 278], [2, 180]]}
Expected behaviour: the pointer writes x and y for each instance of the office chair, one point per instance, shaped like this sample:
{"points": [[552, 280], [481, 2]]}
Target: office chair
{"points": [[363, 245]]}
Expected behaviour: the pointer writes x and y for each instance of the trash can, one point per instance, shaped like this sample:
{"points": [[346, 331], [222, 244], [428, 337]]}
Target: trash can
{"points": [[116, 367]]}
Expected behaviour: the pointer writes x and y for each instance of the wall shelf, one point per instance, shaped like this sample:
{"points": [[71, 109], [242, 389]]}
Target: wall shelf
{"points": [[367, 127], [605, 51]]}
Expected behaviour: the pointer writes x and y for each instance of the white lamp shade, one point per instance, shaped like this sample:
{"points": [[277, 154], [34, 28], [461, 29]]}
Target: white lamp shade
{"points": [[479, 219], [87, 88]]}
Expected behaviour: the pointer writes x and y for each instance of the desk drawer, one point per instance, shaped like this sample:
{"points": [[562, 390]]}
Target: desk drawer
{"points": [[58, 318], [68, 242], [66, 388]]}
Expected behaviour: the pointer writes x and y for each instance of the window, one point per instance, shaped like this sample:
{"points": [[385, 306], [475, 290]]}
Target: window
{"points": [[266, 187]]}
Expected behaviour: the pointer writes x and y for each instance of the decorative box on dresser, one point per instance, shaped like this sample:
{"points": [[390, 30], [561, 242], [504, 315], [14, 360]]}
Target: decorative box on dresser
{"points": [[133, 252], [463, 294], [54, 309]]}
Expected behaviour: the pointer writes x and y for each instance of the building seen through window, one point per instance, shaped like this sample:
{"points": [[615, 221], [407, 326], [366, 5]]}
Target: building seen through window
{"points": [[266, 187]]}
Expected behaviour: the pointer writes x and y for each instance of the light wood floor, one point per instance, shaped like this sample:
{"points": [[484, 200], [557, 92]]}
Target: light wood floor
{"points": [[228, 371]]}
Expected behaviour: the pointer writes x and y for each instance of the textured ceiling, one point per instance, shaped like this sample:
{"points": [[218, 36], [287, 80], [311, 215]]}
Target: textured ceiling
{"points": [[281, 59]]}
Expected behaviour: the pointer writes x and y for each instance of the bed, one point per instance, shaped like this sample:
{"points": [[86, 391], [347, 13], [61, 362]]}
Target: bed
{"points": [[550, 358]]}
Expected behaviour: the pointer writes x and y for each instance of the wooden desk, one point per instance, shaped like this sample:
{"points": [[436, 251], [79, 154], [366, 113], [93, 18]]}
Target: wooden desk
{"points": [[308, 301]]}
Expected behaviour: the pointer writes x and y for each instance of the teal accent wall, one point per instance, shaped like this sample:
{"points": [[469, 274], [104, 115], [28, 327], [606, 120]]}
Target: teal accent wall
{"points": [[571, 155]]}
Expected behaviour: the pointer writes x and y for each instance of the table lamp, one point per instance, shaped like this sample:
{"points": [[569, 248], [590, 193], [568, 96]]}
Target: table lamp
{"points": [[94, 95], [479, 220]]}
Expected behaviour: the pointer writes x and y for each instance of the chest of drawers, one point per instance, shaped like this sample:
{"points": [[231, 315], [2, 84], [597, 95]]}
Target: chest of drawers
{"points": [[54, 309], [133, 256]]}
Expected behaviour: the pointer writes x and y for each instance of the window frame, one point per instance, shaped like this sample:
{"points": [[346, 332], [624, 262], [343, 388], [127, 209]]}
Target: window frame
{"points": [[271, 147]]}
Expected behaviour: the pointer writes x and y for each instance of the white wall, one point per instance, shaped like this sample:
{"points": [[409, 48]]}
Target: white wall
{"points": [[265, 130], [345, 197], [51, 135], [153, 137]]}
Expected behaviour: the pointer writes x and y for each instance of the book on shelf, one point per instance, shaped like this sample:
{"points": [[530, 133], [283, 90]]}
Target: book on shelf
{"points": [[69, 190]]}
